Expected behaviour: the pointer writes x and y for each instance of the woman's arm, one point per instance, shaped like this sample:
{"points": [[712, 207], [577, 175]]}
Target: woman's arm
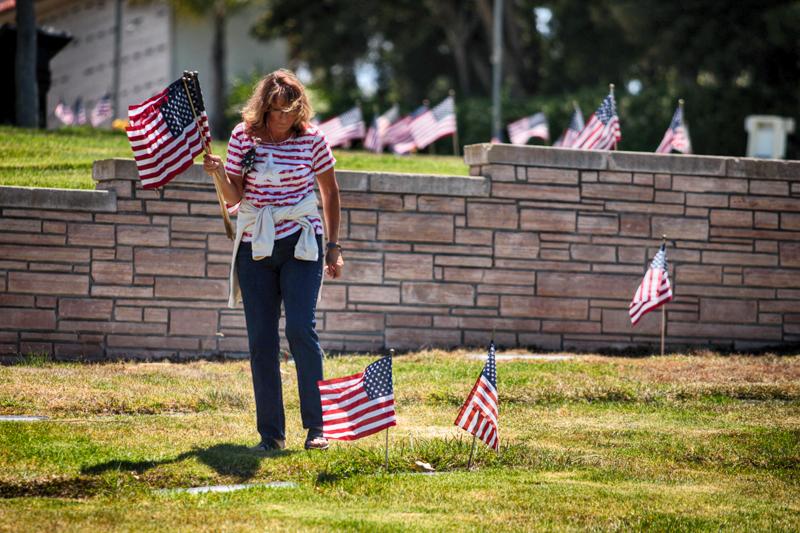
{"points": [[329, 191], [233, 184]]}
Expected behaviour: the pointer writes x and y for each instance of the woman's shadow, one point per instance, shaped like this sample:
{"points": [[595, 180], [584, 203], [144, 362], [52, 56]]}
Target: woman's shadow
{"points": [[232, 460]]}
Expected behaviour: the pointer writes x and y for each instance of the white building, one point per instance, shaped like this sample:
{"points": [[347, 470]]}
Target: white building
{"points": [[156, 47]]}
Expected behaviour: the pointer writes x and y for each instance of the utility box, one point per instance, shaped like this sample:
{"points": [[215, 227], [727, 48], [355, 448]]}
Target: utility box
{"points": [[766, 135]]}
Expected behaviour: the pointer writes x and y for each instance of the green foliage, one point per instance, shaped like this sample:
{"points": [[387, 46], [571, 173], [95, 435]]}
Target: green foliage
{"points": [[726, 59], [63, 158], [583, 446]]}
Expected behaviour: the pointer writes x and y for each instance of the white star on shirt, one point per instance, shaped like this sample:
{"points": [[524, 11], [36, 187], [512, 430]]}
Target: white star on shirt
{"points": [[268, 170]]}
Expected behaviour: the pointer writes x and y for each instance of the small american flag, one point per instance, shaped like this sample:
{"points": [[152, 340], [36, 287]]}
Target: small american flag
{"points": [[80, 112], [602, 132], [346, 127], [377, 132], [677, 136], [398, 135], [439, 122], [358, 405], [479, 413], [655, 290], [573, 130], [523, 129], [64, 113], [102, 111], [163, 134]]}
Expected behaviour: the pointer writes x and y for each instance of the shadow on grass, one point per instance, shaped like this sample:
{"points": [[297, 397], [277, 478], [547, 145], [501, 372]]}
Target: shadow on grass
{"points": [[232, 460]]}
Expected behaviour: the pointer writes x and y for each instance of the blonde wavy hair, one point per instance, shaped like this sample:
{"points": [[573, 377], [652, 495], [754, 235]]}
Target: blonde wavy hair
{"points": [[284, 84]]}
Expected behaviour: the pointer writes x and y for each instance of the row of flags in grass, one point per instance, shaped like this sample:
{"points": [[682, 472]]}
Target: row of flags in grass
{"points": [[363, 404], [75, 115], [602, 132], [402, 135]]}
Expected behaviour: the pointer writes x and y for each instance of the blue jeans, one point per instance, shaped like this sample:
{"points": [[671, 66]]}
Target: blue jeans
{"points": [[264, 285]]}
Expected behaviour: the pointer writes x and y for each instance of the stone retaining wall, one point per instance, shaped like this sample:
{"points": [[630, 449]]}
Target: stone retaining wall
{"points": [[544, 246]]}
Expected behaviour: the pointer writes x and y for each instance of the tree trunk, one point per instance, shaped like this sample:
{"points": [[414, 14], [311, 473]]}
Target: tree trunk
{"points": [[458, 24], [218, 128], [27, 93]]}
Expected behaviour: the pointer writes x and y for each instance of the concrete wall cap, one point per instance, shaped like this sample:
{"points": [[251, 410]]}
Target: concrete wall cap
{"points": [[349, 180], [61, 199]]}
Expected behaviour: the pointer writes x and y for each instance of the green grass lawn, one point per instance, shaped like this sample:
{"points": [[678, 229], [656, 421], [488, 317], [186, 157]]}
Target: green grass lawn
{"points": [[662, 443], [63, 158]]}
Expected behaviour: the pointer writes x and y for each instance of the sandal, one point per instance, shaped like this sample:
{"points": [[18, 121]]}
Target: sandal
{"points": [[315, 440]]}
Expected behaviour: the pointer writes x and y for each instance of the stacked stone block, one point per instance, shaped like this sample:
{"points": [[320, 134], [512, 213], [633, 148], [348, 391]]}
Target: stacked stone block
{"points": [[544, 247]]}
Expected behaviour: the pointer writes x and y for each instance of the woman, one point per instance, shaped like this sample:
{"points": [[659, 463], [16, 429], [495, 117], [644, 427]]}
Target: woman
{"points": [[273, 157]]}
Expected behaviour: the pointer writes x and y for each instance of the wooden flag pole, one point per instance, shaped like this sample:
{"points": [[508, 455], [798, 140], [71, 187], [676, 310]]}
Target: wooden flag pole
{"points": [[386, 456], [611, 92], [218, 178], [455, 133], [663, 310], [472, 452]]}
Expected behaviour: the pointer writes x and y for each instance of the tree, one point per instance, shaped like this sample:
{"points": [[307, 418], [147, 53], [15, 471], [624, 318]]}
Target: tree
{"points": [[727, 59], [420, 49], [27, 92], [219, 11]]}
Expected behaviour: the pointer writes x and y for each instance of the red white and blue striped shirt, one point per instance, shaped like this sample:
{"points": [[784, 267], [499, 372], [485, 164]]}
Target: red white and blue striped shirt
{"points": [[283, 173]]}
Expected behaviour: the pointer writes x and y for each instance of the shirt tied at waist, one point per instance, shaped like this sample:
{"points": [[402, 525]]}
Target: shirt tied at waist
{"points": [[261, 224]]}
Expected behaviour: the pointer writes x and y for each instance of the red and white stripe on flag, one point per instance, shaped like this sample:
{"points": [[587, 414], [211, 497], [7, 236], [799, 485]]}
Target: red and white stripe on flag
{"points": [[479, 413], [434, 124], [599, 136], [348, 411], [164, 136], [654, 291]]}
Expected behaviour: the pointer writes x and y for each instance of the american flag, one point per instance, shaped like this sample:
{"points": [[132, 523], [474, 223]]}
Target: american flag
{"points": [[64, 113], [102, 111], [346, 127], [438, 122], [164, 135], [602, 132], [523, 129], [80, 112], [358, 405], [573, 130], [376, 133], [479, 413], [655, 290], [677, 136], [398, 135]]}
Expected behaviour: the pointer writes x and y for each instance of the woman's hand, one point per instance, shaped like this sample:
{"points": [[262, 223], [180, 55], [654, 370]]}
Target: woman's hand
{"points": [[334, 264], [211, 163]]}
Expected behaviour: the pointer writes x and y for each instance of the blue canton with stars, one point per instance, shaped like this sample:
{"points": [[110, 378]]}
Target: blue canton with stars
{"points": [[176, 109], [490, 368], [606, 110], [378, 378], [677, 118], [660, 259], [445, 109]]}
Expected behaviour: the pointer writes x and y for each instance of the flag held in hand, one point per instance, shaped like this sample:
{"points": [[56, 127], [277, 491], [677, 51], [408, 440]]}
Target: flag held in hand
{"points": [[358, 405], [478, 415], [164, 135]]}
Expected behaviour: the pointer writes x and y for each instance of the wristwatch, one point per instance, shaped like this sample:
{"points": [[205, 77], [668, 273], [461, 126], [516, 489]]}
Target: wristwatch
{"points": [[332, 245]]}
